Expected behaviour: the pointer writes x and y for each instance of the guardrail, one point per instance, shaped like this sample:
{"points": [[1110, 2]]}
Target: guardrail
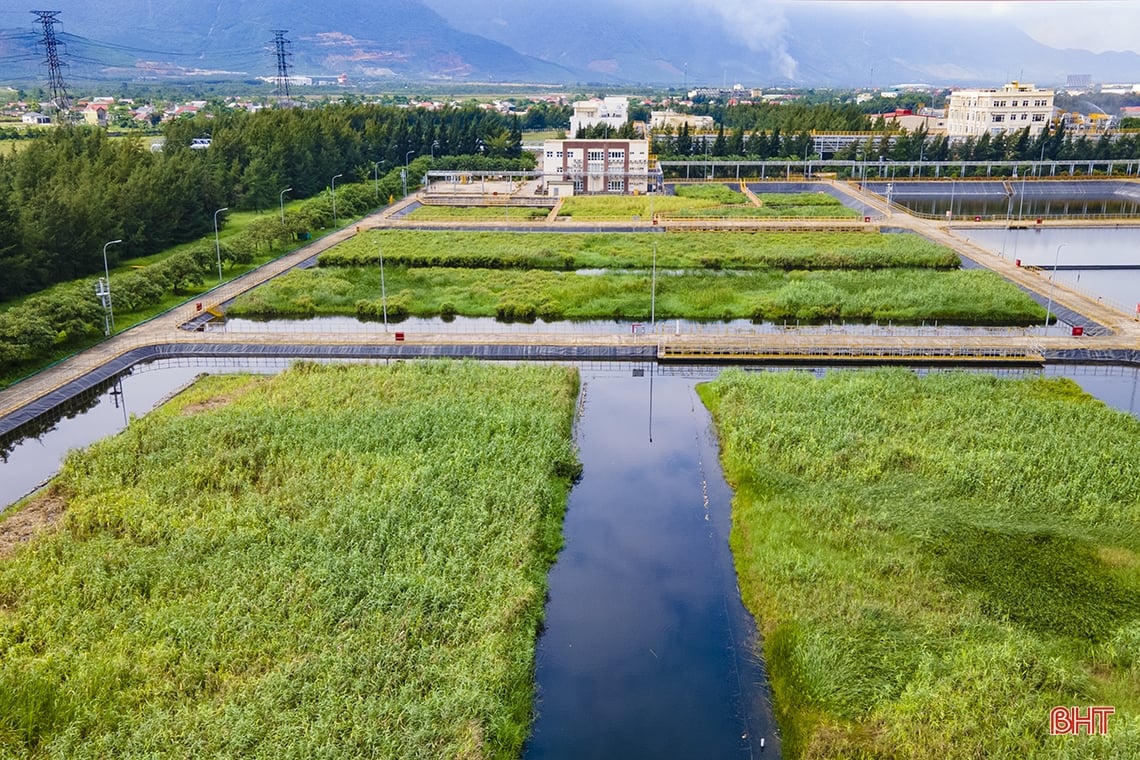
{"points": [[1018, 353]]}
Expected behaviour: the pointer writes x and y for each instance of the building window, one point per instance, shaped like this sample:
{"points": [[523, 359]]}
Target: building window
{"points": [[577, 185], [1039, 117], [615, 185], [560, 154], [997, 117], [1024, 116], [617, 154], [596, 155]]}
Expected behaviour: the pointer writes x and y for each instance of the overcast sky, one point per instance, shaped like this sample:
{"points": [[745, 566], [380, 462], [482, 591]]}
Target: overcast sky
{"points": [[1096, 25]]}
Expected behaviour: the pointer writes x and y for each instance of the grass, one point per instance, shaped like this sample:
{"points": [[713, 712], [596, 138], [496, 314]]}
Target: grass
{"points": [[707, 200], [236, 223], [936, 562], [960, 297], [333, 562], [681, 250], [478, 213]]}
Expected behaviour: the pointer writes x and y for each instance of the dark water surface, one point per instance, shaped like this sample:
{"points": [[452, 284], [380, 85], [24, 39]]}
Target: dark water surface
{"points": [[648, 652]]}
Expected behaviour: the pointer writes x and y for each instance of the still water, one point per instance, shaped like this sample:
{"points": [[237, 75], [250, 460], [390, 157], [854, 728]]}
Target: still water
{"points": [[646, 650], [1076, 251], [1013, 199]]}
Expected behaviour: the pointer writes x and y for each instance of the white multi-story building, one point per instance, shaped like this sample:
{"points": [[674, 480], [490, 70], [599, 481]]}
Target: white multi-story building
{"points": [[669, 119], [1014, 107], [611, 111], [596, 166]]}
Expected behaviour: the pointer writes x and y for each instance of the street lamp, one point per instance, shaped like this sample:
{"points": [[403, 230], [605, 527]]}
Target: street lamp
{"points": [[383, 293], [1052, 282], [217, 243], [105, 294], [653, 292], [404, 173], [281, 199], [334, 196]]}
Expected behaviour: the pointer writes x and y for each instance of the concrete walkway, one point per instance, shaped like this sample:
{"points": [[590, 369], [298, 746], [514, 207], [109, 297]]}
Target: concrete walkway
{"points": [[165, 328]]}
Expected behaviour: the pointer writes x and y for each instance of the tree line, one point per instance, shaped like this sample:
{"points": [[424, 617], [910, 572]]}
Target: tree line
{"points": [[73, 189]]}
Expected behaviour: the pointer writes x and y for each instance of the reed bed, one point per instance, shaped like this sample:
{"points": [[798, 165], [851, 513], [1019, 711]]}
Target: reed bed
{"points": [[905, 296], [683, 250], [936, 562], [333, 562]]}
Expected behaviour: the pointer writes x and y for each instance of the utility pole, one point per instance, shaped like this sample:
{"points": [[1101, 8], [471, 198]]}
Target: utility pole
{"points": [[55, 66], [281, 45]]}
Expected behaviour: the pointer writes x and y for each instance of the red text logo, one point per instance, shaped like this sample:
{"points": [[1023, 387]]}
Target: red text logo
{"points": [[1070, 721]]}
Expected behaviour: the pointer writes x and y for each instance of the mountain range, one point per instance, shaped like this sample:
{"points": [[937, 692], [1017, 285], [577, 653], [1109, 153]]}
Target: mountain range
{"points": [[605, 42]]}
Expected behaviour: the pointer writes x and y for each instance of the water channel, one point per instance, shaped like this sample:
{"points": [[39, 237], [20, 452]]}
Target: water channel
{"points": [[647, 650]]}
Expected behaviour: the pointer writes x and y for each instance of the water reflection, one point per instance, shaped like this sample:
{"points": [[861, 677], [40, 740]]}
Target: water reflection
{"points": [[647, 651], [1076, 251], [1015, 199]]}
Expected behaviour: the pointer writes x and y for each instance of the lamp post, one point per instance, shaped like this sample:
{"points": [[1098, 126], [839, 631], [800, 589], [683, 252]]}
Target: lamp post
{"points": [[218, 243], [281, 200], [383, 293], [653, 292], [404, 173], [334, 196], [1052, 282], [105, 294]]}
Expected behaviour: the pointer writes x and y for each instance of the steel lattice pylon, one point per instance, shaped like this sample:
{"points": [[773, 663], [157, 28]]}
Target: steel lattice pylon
{"points": [[56, 86], [281, 45]]}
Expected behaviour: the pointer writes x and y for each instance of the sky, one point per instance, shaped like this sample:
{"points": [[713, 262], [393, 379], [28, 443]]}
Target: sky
{"points": [[1096, 25]]}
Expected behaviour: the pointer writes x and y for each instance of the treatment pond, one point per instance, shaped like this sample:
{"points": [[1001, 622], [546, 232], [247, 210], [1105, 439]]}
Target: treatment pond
{"points": [[647, 650]]}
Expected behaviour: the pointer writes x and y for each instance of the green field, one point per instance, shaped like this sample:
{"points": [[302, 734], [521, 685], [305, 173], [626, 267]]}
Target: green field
{"points": [[912, 296], [479, 214], [705, 200], [936, 562], [681, 250], [331, 562]]}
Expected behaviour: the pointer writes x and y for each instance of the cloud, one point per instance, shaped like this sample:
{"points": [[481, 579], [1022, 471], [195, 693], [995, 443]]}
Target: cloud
{"points": [[760, 26]]}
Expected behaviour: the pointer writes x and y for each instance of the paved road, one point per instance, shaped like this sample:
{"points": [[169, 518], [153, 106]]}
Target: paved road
{"points": [[165, 329]]}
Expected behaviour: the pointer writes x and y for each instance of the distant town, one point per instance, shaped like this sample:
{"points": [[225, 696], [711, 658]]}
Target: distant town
{"points": [[1081, 106]]}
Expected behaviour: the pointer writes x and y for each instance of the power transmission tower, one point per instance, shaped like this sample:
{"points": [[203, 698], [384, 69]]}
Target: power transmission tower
{"points": [[55, 67], [283, 55]]}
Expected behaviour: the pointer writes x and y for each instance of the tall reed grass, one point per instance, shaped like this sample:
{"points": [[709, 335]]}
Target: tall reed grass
{"points": [[935, 562], [334, 562]]}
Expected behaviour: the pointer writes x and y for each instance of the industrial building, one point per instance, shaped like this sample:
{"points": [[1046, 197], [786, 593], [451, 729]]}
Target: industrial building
{"points": [[571, 167]]}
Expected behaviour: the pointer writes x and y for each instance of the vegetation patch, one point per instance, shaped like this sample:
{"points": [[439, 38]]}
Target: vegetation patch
{"points": [[338, 562], [479, 214], [935, 562], [901, 296], [703, 250]]}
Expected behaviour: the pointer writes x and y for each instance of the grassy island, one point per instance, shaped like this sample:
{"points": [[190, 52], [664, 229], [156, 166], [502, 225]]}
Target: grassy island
{"points": [[936, 562], [333, 562], [778, 277]]}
